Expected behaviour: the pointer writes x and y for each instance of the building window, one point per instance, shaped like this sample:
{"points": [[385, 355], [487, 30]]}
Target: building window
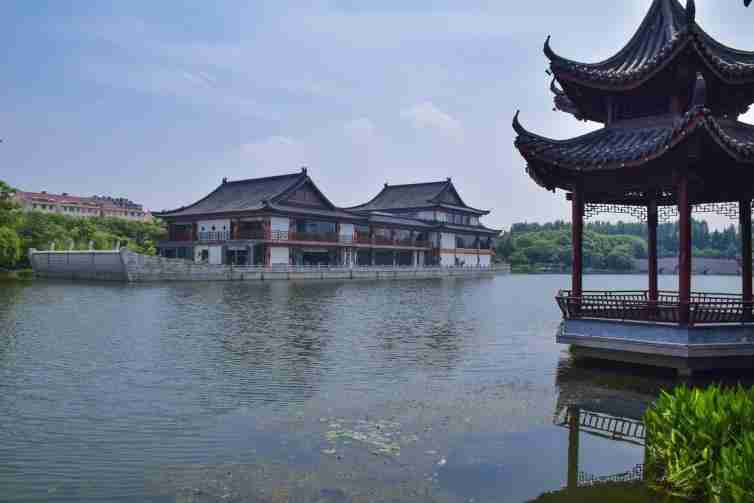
{"points": [[466, 241]]}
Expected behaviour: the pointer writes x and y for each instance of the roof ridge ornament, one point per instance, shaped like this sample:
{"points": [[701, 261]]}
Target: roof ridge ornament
{"points": [[517, 127], [548, 50], [691, 12]]}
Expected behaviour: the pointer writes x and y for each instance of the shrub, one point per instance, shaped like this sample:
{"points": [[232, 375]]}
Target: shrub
{"points": [[10, 248], [699, 443], [735, 475]]}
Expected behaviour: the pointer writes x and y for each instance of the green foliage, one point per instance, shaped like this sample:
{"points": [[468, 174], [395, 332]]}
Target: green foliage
{"points": [[735, 473], [10, 211], [10, 248], [607, 246], [700, 443]]}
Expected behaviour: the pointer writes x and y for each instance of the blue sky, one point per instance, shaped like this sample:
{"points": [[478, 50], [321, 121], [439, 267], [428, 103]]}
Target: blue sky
{"points": [[158, 101]]}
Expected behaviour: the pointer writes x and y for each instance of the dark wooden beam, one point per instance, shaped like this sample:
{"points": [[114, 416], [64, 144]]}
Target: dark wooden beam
{"points": [[574, 421], [652, 218], [684, 247], [577, 236], [744, 218]]}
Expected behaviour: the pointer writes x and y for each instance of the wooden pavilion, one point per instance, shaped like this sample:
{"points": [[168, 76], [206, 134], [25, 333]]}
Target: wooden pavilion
{"points": [[671, 141]]}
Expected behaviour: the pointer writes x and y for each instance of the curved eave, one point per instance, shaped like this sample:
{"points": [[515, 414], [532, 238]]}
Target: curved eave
{"points": [[731, 66], [564, 103], [550, 159], [589, 75], [666, 31], [662, 34]]}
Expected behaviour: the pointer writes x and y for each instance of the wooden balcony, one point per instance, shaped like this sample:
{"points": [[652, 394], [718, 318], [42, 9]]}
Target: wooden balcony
{"points": [[329, 238], [250, 234], [703, 308], [214, 236]]}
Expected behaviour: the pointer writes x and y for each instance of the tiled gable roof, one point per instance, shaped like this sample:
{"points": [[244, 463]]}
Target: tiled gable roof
{"points": [[240, 195], [415, 195]]}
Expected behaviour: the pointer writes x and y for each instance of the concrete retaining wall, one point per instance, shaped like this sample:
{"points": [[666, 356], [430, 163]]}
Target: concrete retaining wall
{"points": [[125, 265], [80, 265]]}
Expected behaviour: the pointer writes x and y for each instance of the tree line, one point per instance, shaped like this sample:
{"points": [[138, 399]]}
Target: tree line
{"points": [[21, 230], [607, 246]]}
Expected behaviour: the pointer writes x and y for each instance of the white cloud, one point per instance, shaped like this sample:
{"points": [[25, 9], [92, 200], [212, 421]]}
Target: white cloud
{"points": [[428, 116]]}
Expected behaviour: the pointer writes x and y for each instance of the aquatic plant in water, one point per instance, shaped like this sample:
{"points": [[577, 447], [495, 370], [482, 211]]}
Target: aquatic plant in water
{"points": [[700, 444]]}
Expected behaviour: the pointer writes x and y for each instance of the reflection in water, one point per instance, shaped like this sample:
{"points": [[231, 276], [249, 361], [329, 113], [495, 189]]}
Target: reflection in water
{"points": [[197, 391]]}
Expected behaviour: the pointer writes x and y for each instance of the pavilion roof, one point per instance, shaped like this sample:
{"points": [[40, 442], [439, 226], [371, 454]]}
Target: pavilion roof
{"points": [[668, 33], [629, 144]]}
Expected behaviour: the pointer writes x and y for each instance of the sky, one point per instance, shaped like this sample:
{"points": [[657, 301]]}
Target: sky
{"points": [[158, 101]]}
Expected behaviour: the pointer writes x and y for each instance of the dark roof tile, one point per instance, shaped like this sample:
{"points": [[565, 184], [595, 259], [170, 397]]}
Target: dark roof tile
{"points": [[634, 142], [415, 195], [666, 29], [241, 195]]}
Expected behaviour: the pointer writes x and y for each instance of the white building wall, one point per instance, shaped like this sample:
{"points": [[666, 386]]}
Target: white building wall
{"points": [[216, 255], [447, 241], [279, 255], [467, 259], [447, 259], [219, 226], [485, 260], [346, 230]]}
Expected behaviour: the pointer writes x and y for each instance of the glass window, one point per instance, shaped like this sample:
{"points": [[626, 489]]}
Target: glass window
{"points": [[465, 241], [315, 227], [402, 234]]}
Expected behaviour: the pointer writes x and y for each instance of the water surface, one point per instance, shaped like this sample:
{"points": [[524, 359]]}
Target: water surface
{"points": [[433, 390]]}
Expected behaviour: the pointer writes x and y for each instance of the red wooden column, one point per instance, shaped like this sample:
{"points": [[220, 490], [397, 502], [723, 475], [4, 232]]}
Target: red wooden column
{"points": [[652, 246], [684, 247], [577, 235], [744, 219]]}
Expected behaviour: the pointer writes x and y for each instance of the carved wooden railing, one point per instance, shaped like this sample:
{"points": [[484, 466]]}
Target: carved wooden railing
{"points": [[634, 305]]}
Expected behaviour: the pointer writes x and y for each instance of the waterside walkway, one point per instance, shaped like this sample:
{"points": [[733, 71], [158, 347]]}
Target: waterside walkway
{"points": [[128, 266]]}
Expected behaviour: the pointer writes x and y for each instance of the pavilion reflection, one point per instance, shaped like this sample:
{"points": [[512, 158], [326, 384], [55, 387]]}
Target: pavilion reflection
{"points": [[601, 402]]}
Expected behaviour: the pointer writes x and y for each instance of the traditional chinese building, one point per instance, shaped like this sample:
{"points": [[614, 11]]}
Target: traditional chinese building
{"points": [[287, 220], [670, 140]]}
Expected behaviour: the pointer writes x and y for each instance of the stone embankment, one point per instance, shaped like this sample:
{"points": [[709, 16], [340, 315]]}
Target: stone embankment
{"points": [[125, 265]]}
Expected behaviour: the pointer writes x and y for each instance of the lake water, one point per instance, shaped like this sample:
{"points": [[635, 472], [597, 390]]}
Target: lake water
{"points": [[434, 390]]}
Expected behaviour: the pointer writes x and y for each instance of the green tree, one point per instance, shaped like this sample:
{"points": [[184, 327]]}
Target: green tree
{"points": [[83, 232], [40, 231], [10, 248], [620, 259], [10, 211]]}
